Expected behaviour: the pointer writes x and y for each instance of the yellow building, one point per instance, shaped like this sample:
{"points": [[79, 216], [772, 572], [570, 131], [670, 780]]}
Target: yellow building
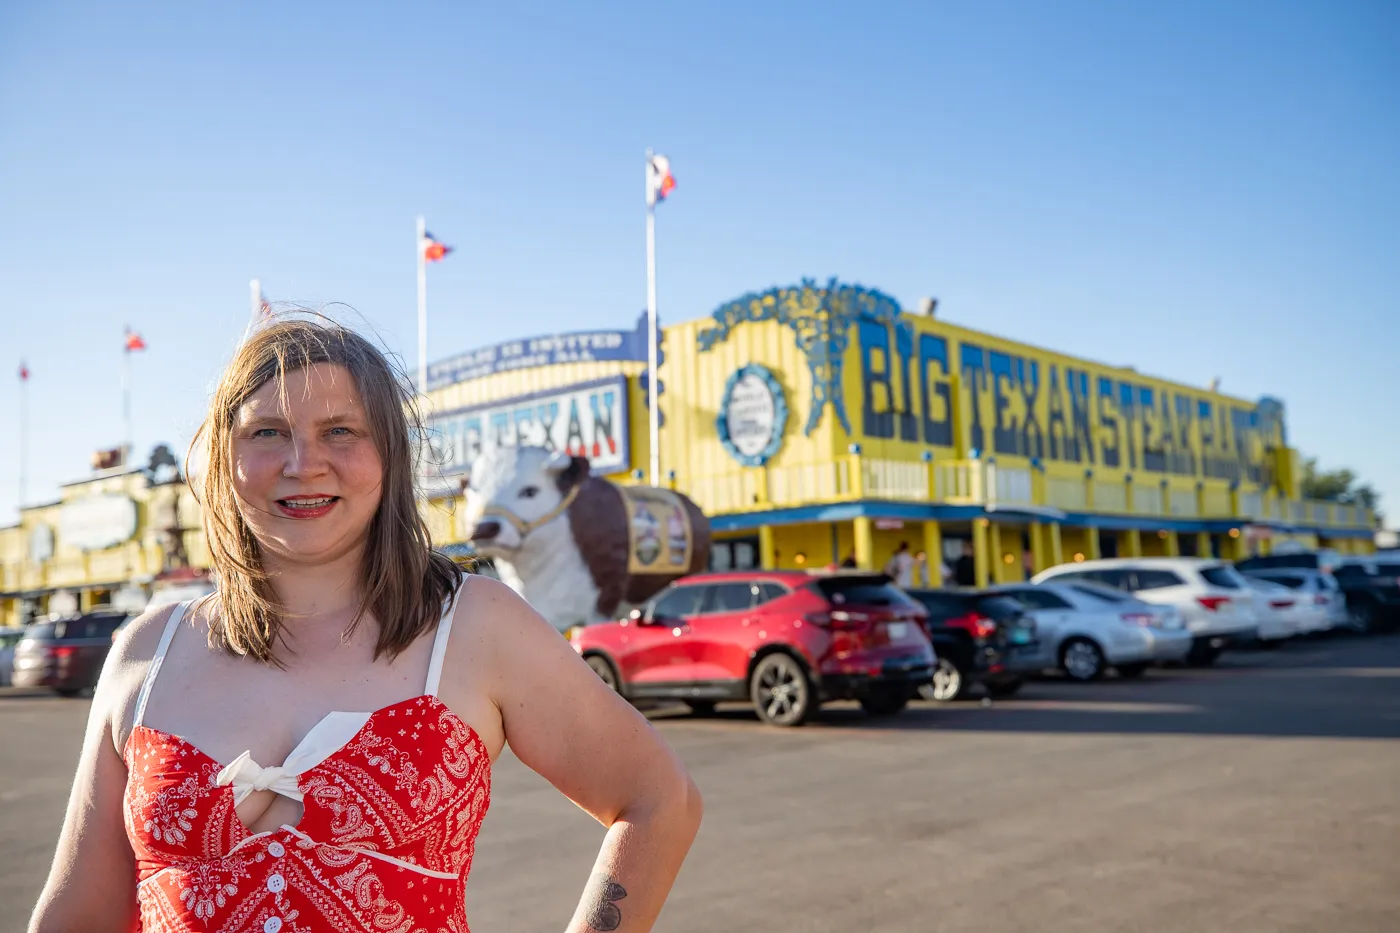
{"points": [[118, 528], [812, 424], [817, 422]]}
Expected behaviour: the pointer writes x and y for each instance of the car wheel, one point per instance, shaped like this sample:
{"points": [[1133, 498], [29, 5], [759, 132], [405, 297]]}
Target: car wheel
{"points": [[781, 693], [1361, 618], [69, 692], [1082, 660], [1202, 656], [1132, 671], [1002, 689], [605, 671], [885, 701], [1270, 644], [947, 684], [701, 707]]}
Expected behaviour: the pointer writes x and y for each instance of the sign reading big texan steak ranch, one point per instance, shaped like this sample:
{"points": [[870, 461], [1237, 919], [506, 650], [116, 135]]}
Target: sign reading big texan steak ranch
{"points": [[584, 420]]}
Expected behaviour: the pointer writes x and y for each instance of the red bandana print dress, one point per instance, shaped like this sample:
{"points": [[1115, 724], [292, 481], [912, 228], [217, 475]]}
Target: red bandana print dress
{"points": [[393, 801]]}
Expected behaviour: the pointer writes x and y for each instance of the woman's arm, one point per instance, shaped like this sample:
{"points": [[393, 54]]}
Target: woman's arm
{"points": [[561, 721], [92, 883]]}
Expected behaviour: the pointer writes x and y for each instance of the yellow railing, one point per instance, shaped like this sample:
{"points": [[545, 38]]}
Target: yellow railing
{"points": [[979, 482]]}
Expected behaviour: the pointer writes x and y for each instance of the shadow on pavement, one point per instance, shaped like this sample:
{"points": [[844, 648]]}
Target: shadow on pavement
{"points": [[1339, 688]]}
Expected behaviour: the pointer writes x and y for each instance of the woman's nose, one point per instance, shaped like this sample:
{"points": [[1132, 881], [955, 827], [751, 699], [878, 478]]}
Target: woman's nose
{"points": [[305, 458]]}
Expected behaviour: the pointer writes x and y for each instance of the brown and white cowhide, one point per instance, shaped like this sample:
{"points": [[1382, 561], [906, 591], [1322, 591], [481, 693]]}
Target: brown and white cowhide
{"points": [[559, 536]]}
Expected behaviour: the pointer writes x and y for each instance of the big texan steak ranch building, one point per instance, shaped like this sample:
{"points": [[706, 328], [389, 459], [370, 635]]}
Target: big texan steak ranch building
{"points": [[818, 422]]}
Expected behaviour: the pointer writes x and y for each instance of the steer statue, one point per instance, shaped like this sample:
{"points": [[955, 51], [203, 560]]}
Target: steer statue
{"points": [[578, 547]]}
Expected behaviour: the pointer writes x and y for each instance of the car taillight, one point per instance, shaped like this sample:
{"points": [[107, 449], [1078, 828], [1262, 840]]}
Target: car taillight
{"points": [[978, 626], [1280, 603], [838, 621], [1213, 602], [62, 651], [1144, 619]]}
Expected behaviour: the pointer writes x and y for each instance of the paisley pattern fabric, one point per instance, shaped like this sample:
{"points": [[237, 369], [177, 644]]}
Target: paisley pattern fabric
{"points": [[384, 844]]}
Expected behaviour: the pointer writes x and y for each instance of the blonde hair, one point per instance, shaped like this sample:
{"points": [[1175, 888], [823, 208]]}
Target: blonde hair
{"points": [[404, 582]]}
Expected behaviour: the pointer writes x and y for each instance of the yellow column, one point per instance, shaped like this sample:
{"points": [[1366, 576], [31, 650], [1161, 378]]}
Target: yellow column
{"points": [[865, 543], [1132, 540], [1173, 545], [1057, 550], [980, 552], [933, 551], [766, 558], [1203, 544], [1266, 546], [994, 546], [1236, 549], [1038, 557], [1095, 548]]}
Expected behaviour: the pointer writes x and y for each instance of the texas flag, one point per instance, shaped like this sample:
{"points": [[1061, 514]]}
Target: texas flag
{"points": [[134, 341], [660, 181], [433, 250]]}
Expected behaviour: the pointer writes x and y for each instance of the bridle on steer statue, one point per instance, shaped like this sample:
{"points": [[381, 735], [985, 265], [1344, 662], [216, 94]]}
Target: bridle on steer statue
{"points": [[521, 526]]}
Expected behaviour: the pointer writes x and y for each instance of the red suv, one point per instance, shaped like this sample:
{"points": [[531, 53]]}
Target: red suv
{"points": [[786, 641]]}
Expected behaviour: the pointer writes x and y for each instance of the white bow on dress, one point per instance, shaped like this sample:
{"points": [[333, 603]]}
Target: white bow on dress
{"points": [[246, 776]]}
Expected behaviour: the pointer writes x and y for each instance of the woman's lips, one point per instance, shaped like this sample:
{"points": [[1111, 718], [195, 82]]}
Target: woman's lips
{"points": [[307, 506]]}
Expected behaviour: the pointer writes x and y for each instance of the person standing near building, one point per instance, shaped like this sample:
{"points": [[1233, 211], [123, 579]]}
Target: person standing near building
{"points": [[965, 567], [326, 722], [900, 567]]}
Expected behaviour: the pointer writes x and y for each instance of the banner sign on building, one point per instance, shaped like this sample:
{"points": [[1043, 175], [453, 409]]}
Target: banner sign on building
{"points": [[587, 419], [579, 347]]}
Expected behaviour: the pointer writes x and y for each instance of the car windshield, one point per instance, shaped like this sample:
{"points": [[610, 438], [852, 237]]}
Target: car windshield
{"points": [[1102, 593], [1227, 578], [864, 591]]}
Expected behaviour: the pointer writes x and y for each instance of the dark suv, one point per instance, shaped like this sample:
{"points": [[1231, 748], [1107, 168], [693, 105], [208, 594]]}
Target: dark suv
{"points": [[65, 653], [785, 641], [979, 637]]}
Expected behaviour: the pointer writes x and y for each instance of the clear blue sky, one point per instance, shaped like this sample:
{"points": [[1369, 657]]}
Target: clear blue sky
{"points": [[1198, 189]]}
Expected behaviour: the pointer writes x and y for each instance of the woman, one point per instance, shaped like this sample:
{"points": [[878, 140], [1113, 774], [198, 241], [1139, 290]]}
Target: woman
{"points": [[226, 781]]}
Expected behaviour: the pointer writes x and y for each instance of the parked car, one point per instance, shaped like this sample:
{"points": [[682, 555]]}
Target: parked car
{"points": [[65, 653], [1215, 603], [9, 637], [785, 641], [1324, 607], [978, 638], [1083, 631], [1372, 594], [1280, 613], [1322, 559]]}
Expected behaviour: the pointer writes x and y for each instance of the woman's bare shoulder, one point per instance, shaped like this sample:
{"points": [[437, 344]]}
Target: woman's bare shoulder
{"points": [[125, 670]]}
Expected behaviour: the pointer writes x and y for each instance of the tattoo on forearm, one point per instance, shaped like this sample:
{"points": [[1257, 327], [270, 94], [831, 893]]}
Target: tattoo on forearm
{"points": [[602, 913]]}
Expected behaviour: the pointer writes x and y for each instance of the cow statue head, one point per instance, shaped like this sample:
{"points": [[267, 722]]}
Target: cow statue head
{"points": [[514, 490]]}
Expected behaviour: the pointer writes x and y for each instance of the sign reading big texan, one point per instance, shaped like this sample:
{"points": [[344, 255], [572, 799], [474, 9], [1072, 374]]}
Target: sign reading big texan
{"points": [[584, 420]]}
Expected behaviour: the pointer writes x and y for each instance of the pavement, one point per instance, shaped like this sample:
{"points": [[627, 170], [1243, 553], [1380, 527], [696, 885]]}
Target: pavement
{"points": [[1261, 795]]}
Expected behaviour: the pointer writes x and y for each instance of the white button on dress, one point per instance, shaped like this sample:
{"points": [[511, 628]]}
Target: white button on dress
{"points": [[272, 924], [275, 849], [276, 883]]}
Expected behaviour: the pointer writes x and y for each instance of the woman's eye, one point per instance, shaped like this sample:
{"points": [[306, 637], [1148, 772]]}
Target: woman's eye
{"points": [[529, 492], [265, 432], [340, 432]]}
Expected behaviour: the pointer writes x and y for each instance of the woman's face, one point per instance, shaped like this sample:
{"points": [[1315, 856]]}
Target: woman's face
{"points": [[307, 474]]}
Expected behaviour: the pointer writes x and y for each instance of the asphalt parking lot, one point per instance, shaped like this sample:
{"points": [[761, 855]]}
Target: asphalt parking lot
{"points": [[1262, 795]]}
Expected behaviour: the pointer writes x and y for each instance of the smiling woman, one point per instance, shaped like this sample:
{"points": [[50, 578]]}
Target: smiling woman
{"points": [[324, 733]]}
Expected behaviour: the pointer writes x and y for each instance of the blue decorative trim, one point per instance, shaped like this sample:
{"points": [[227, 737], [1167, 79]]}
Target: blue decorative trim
{"points": [[821, 317], [780, 415]]}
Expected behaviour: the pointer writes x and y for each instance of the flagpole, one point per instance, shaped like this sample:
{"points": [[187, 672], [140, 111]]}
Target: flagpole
{"points": [[255, 290], [23, 433], [653, 405], [422, 309], [126, 402]]}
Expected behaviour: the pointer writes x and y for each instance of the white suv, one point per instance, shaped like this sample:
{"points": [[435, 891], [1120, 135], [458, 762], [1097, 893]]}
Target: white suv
{"points": [[1217, 604]]}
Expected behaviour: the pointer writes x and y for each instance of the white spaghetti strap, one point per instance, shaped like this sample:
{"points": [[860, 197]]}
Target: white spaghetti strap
{"points": [[170, 626], [440, 641]]}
